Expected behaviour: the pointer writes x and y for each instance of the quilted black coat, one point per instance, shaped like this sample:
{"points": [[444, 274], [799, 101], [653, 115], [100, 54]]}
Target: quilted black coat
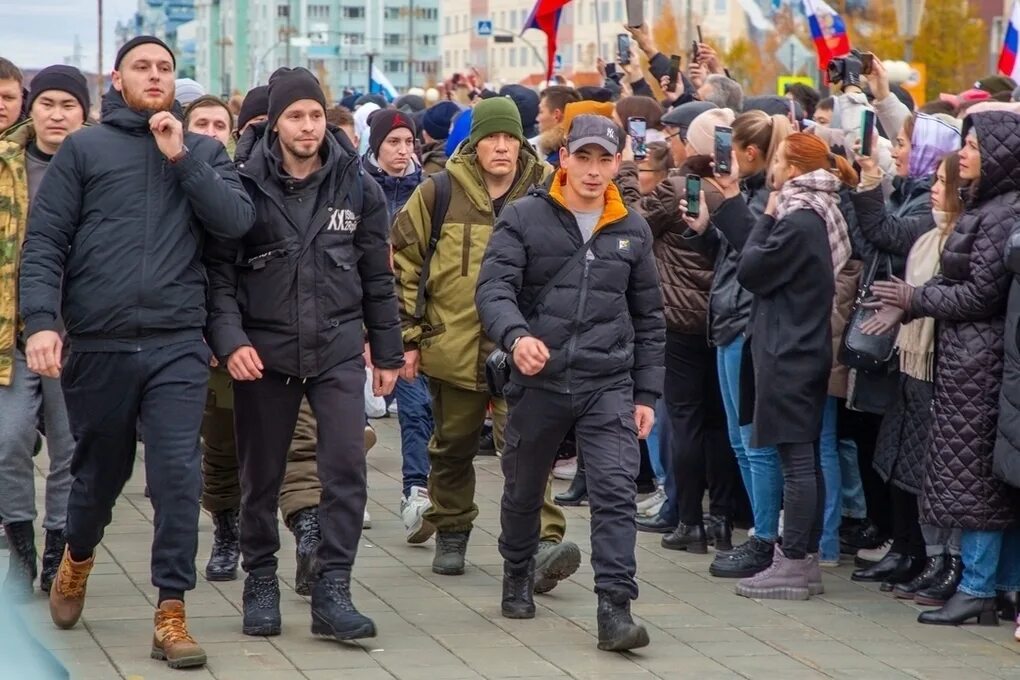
{"points": [[1007, 444], [969, 301]]}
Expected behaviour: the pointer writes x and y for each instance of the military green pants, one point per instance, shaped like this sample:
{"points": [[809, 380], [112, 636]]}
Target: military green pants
{"points": [[221, 489], [459, 415]]}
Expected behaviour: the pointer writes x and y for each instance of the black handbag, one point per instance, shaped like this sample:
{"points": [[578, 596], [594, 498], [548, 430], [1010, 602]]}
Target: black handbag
{"points": [[858, 349], [497, 364]]}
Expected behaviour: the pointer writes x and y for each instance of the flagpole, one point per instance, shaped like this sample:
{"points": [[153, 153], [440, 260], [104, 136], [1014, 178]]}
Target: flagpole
{"points": [[598, 29]]}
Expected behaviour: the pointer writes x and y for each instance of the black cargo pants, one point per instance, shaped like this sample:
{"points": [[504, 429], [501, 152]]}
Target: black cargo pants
{"points": [[605, 431], [265, 414]]}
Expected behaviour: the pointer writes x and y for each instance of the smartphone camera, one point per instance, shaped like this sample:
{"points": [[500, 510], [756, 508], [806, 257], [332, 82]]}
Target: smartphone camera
{"points": [[693, 195], [637, 128], [623, 48], [723, 150]]}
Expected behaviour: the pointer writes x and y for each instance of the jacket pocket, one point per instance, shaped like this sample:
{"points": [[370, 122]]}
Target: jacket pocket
{"points": [[341, 296], [264, 288]]}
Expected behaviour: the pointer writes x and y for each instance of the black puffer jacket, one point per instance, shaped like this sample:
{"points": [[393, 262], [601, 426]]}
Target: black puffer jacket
{"points": [[604, 322], [299, 290], [968, 299], [1007, 443], [117, 231]]}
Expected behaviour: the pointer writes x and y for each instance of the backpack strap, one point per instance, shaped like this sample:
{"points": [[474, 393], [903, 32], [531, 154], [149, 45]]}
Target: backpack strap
{"points": [[440, 206]]}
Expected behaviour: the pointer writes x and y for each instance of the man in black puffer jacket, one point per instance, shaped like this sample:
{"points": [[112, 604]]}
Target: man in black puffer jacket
{"points": [[591, 356], [114, 250], [290, 301]]}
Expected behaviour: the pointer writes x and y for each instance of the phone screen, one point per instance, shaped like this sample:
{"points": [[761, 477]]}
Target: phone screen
{"points": [[623, 48], [637, 128], [674, 70], [723, 149], [693, 195], [867, 62], [635, 12], [867, 131]]}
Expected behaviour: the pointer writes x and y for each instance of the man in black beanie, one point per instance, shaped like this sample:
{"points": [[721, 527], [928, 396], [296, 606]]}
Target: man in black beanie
{"points": [[254, 108], [316, 278], [114, 254]]}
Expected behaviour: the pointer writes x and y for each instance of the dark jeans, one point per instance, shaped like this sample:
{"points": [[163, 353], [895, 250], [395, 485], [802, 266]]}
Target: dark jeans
{"points": [[605, 431], [907, 537], [804, 499], [108, 395], [414, 413], [265, 414], [699, 438]]}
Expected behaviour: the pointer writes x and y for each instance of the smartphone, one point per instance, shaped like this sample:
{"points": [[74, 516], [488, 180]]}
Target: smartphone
{"points": [[792, 111], [693, 195], [637, 128], [694, 52], [701, 38], [723, 149], [867, 131], [635, 13], [623, 48], [674, 70], [867, 63], [610, 70]]}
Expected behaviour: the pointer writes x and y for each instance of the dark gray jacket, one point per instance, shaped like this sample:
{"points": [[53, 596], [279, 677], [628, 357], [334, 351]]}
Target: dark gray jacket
{"points": [[117, 231]]}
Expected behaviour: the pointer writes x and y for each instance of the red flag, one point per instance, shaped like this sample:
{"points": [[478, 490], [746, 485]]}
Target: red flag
{"points": [[546, 18]]}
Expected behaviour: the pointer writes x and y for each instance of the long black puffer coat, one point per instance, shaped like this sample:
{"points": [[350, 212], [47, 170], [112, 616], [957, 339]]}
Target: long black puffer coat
{"points": [[968, 299]]}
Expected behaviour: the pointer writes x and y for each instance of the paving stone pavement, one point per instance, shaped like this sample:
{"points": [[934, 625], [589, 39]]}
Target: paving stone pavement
{"points": [[449, 628]]}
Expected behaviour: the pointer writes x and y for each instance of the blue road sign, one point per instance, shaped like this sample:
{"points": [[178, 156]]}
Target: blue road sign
{"points": [[484, 27]]}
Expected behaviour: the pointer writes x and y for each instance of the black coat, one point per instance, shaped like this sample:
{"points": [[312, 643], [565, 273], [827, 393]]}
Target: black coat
{"points": [[787, 265], [968, 299], [299, 292], [116, 232], [603, 323], [904, 438], [1007, 443]]}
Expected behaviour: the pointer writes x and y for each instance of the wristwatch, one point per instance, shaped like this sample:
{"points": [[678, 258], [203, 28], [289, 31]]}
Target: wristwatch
{"points": [[514, 345], [180, 154]]}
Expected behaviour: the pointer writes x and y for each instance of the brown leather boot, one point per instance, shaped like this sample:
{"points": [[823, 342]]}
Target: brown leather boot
{"points": [[67, 595], [171, 641]]}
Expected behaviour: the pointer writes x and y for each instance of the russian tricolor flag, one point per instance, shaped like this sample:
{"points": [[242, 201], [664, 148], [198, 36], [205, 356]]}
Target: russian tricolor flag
{"points": [[827, 31], [546, 18], [1009, 65]]}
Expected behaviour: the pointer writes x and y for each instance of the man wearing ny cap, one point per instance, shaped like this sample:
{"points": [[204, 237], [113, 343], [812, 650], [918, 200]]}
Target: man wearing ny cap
{"points": [[58, 105], [114, 251], [589, 356], [290, 302]]}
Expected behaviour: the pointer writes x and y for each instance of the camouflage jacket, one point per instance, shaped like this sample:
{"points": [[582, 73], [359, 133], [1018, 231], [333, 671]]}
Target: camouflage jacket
{"points": [[13, 220]]}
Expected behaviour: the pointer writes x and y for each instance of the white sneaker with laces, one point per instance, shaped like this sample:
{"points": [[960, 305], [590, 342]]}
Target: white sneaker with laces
{"points": [[650, 506], [565, 469], [412, 511], [874, 554]]}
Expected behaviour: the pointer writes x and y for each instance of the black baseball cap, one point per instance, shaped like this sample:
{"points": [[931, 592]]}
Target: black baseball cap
{"points": [[591, 129]]}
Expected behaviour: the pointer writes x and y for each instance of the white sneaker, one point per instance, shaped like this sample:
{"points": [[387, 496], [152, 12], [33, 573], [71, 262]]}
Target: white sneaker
{"points": [[412, 511], [650, 506], [370, 438], [874, 554], [565, 469], [392, 408], [367, 522]]}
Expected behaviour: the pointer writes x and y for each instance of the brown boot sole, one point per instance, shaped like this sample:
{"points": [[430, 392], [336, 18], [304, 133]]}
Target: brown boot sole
{"points": [[193, 661], [64, 622]]}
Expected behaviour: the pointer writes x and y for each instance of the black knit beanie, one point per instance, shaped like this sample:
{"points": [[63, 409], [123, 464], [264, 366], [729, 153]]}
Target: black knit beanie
{"points": [[381, 123], [256, 103], [289, 85], [142, 40], [64, 78]]}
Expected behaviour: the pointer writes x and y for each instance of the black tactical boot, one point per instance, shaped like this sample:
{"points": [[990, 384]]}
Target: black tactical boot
{"points": [[750, 558], [261, 604], [52, 554], [305, 525], [518, 584], [617, 630], [333, 612], [451, 548], [226, 551], [22, 569]]}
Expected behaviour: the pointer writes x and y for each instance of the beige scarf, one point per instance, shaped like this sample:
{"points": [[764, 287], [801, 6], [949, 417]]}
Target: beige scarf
{"points": [[916, 340]]}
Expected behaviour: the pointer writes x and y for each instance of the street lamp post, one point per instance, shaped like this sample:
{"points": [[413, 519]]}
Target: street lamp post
{"points": [[224, 43], [371, 54]]}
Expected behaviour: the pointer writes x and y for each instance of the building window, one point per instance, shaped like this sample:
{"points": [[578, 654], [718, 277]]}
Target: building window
{"points": [[428, 40], [393, 39], [430, 13], [446, 59], [394, 66], [392, 12], [618, 10], [352, 38], [722, 7], [446, 25], [283, 11], [318, 12], [354, 12]]}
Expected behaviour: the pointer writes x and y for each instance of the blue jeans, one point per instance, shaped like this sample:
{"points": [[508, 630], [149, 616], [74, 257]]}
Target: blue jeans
{"points": [[759, 468], [669, 512], [414, 413], [656, 450], [991, 561], [828, 548], [854, 504]]}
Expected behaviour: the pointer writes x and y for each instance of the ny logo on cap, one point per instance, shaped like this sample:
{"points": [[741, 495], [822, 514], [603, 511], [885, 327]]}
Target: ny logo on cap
{"points": [[611, 133]]}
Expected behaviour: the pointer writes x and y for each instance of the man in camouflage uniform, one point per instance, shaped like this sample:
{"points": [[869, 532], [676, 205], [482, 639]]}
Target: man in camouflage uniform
{"points": [[59, 101]]}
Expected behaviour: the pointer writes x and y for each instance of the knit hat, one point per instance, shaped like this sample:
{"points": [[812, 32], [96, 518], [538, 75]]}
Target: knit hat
{"points": [[383, 122], [574, 109], [439, 118], [409, 103], [376, 99], [256, 103], [187, 90], [289, 85], [682, 116], [64, 78], [493, 116], [995, 83], [141, 40], [527, 101], [595, 94], [701, 133]]}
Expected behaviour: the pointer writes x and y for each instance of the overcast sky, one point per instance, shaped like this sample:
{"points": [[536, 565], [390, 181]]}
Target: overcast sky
{"points": [[36, 33]]}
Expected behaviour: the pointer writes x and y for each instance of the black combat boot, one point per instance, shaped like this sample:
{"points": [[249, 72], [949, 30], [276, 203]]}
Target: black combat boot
{"points": [[52, 554], [518, 585], [617, 630], [261, 604], [305, 526], [577, 494], [22, 569], [451, 549], [226, 549], [333, 612]]}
